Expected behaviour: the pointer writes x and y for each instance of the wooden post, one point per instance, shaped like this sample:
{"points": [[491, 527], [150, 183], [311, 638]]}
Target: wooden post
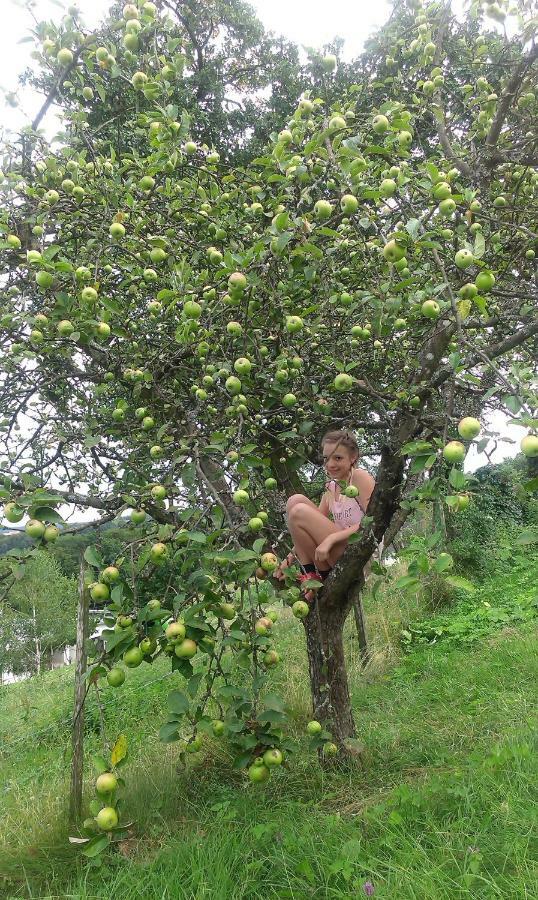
{"points": [[75, 799]]}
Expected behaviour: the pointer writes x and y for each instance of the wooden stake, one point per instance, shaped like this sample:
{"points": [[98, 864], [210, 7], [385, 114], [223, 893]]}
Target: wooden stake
{"points": [[75, 799]]}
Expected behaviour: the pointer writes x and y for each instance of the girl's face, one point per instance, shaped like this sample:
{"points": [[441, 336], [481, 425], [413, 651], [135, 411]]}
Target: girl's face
{"points": [[337, 460]]}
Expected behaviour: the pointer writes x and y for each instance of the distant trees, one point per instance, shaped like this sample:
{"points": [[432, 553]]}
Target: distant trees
{"points": [[37, 617]]}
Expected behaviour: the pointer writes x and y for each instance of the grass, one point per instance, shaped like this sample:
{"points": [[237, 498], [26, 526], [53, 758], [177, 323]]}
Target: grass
{"points": [[443, 808]]}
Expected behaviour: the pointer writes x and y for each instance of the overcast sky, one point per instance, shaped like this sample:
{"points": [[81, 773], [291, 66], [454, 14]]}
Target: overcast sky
{"points": [[308, 22]]}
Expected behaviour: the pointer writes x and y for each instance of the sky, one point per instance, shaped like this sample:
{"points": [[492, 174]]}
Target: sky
{"points": [[308, 22]]}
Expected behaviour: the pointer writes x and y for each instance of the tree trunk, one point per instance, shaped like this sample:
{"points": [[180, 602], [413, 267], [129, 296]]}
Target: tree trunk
{"points": [[36, 643], [331, 701]]}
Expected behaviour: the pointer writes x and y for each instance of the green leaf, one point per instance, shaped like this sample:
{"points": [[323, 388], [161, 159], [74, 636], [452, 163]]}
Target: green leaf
{"points": [[178, 702], [272, 716], [443, 563], [406, 582], [93, 558], [169, 732], [119, 750], [479, 245], [100, 763], [458, 582], [531, 486], [96, 845], [457, 479]]}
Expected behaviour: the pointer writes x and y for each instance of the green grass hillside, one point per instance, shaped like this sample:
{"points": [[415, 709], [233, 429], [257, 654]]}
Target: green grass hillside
{"points": [[444, 806]]}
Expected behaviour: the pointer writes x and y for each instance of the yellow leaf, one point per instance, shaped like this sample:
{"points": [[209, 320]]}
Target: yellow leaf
{"points": [[464, 308], [119, 750]]}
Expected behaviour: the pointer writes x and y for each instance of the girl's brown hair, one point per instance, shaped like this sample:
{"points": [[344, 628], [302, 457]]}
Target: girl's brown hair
{"points": [[342, 439]]}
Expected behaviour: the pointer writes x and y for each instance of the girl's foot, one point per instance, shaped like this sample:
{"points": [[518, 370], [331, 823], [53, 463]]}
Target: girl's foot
{"points": [[310, 594]]}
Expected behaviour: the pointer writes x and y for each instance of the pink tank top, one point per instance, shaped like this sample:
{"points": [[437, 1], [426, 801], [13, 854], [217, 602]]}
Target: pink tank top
{"points": [[346, 511]]}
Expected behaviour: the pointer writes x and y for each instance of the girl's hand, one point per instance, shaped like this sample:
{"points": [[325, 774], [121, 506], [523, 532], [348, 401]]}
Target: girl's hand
{"points": [[322, 554], [279, 573]]}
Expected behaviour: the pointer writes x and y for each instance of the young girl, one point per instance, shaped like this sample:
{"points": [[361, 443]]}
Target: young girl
{"points": [[318, 541]]}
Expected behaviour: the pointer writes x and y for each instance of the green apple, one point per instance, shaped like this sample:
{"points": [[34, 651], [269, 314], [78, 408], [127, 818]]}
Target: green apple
{"points": [[447, 207], [313, 728], [233, 385], [237, 282], [175, 631], [117, 230], [242, 365], [158, 551], [146, 183], [51, 534], [380, 124], [430, 309], [192, 309], [157, 255], [323, 209], [442, 191], [186, 649], [139, 80], [469, 428], [234, 329], [393, 251], [258, 773], [35, 529], [329, 62], [133, 657], [454, 452], [468, 291], [330, 749], [272, 757], [137, 516], [289, 400], [269, 562], [255, 523], [103, 330], [464, 258], [271, 658], [89, 294], [147, 645], [107, 818], [99, 592], [529, 445], [106, 783], [227, 611], [115, 677], [14, 242], [336, 123], [240, 497], [65, 57], [349, 204], [300, 609], [263, 625], [388, 187], [343, 382], [484, 281], [294, 324], [44, 280], [14, 513], [110, 575]]}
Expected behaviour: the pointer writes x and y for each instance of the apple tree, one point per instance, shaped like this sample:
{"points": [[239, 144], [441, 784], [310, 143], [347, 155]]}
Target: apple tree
{"points": [[178, 332]]}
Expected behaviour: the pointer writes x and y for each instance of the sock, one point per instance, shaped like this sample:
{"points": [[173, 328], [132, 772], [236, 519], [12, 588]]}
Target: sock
{"points": [[324, 573], [309, 567]]}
